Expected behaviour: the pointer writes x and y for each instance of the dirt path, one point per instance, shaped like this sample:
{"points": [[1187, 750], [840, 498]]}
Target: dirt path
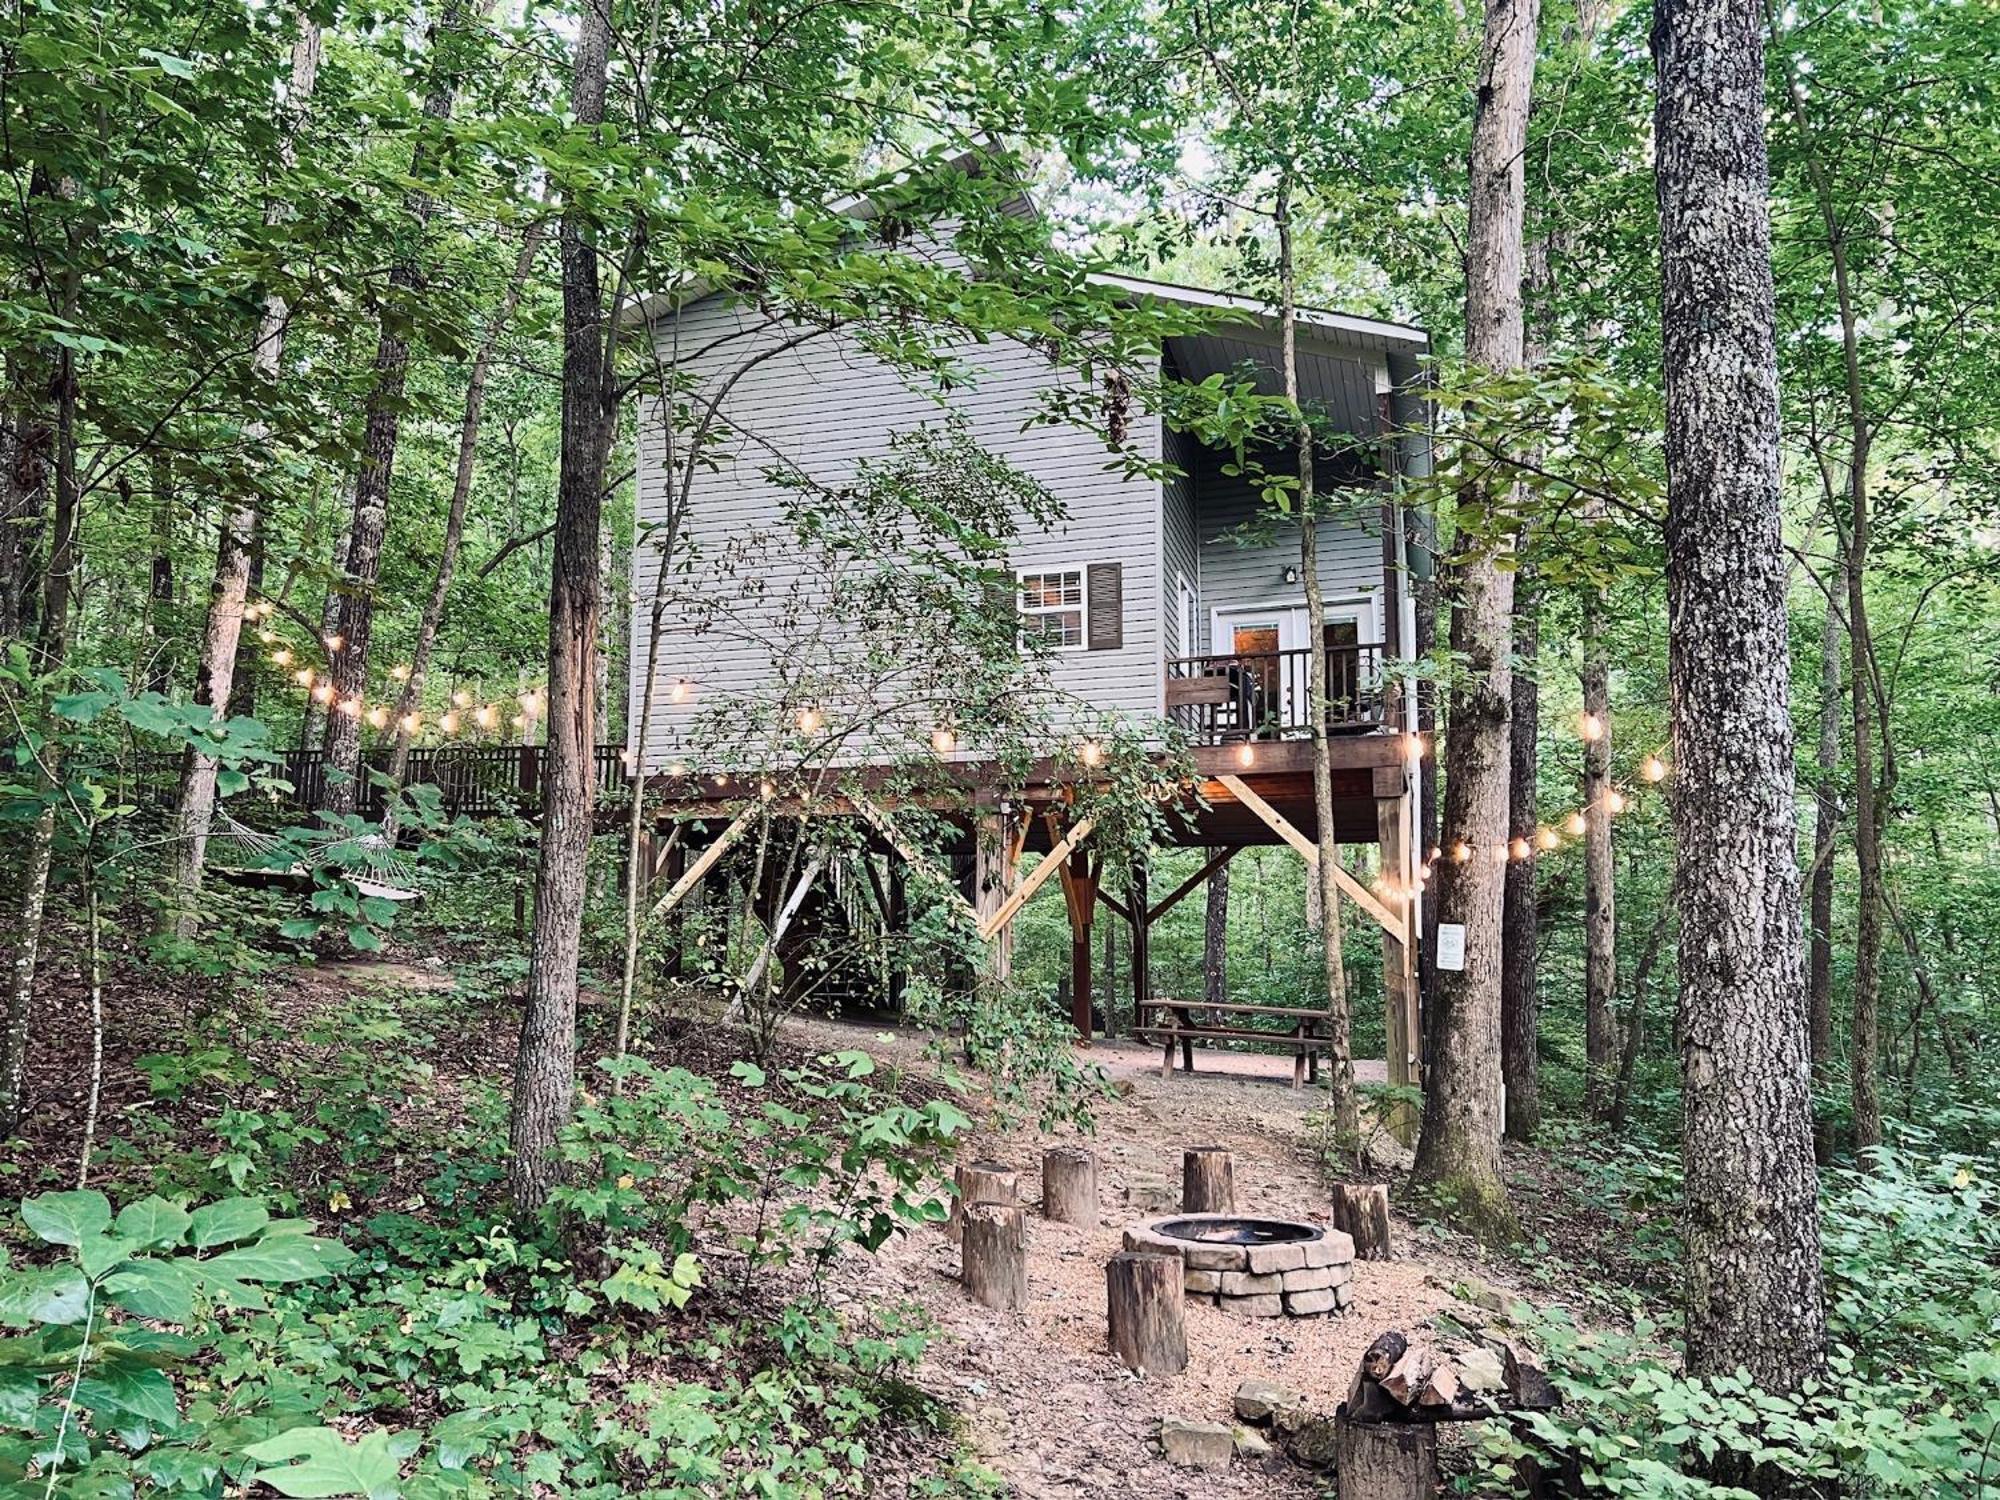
{"points": [[1047, 1407]]}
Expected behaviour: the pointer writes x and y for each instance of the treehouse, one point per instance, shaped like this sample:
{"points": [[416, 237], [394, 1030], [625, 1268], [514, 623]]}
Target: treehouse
{"points": [[1167, 594]]}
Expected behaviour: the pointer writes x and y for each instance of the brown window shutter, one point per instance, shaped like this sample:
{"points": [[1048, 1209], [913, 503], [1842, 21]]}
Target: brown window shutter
{"points": [[1105, 630]]}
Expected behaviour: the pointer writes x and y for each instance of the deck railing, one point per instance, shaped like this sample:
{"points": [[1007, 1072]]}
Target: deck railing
{"points": [[471, 779], [1266, 694]]}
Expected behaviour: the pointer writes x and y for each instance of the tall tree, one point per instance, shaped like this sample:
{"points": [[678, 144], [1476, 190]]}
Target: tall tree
{"points": [[1600, 910], [1215, 940], [1751, 1215], [545, 1064], [354, 619], [1520, 985], [1826, 833], [1459, 1151], [222, 634]]}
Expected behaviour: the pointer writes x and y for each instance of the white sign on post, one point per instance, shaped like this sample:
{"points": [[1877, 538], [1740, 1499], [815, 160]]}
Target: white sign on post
{"points": [[1451, 945]]}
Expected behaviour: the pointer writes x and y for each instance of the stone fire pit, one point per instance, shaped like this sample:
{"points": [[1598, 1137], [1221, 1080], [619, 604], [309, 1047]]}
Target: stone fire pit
{"points": [[1260, 1268]]}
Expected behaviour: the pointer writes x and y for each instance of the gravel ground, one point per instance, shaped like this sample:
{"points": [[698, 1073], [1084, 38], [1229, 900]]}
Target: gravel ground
{"points": [[1046, 1406]]}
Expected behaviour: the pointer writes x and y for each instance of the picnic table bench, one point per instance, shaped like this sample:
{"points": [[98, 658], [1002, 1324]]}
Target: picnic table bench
{"points": [[1176, 1021]]}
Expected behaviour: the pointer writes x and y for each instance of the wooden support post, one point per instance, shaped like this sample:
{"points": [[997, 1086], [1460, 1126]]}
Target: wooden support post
{"points": [[1386, 1460], [1142, 943], [1079, 879], [1069, 1186], [992, 885], [993, 1260], [1208, 1181], [980, 1182], [898, 914], [1143, 1304], [1361, 1210], [1401, 1025], [674, 867]]}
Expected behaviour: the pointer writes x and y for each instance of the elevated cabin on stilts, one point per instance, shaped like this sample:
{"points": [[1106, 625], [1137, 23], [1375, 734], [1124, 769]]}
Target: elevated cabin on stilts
{"points": [[1164, 603]]}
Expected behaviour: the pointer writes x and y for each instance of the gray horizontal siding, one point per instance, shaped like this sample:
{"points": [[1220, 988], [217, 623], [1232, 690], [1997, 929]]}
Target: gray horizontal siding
{"points": [[820, 409], [1180, 540]]}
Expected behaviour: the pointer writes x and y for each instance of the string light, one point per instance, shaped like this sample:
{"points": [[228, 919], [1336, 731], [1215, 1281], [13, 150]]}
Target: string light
{"points": [[678, 693], [943, 741], [1247, 755], [810, 720], [349, 706], [333, 642], [1654, 769], [1519, 849], [461, 699], [677, 768], [1574, 825], [1545, 838], [487, 717], [1090, 753], [282, 656], [1461, 852], [401, 674], [410, 723], [449, 723], [1416, 748], [267, 636], [1590, 727], [531, 705], [303, 677], [378, 717], [1614, 801], [323, 693], [520, 721]]}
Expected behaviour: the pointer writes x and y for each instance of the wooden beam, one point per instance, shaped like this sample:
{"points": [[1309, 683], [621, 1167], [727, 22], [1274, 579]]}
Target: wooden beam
{"points": [[775, 936], [1118, 907], [691, 877], [1173, 898], [1276, 821], [1035, 881], [876, 819]]}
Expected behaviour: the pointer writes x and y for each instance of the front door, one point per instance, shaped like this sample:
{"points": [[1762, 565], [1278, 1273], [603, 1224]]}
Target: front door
{"points": [[1256, 642]]}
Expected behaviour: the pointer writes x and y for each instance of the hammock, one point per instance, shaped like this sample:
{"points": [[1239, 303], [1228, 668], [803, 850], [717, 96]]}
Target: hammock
{"points": [[387, 876]]}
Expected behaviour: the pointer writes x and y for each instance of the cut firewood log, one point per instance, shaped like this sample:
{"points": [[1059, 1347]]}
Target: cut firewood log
{"points": [[1361, 1210], [1407, 1376], [1368, 1402], [1530, 1388], [1208, 1181], [1069, 1186], [1442, 1389], [1380, 1357], [1143, 1297], [1386, 1460], [981, 1182], [993, 1260]]}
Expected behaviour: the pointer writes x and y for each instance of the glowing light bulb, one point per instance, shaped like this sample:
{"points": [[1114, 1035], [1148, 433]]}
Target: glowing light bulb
{"points": [[520, 721], [282, 657], [449, 723], [267, 636], [1590, 726], [943, 740], [677, 768], [1545, 838], [720, 779], [1246, 755], [487, 717], [323, 693], [810, 720], [461, 699], [401, 674], [1519, 849], [333, 642], [1614, 801], [1654, 769], [678, 693], [350, 706], [378, 717], [410, 723], [1575, 825], [531, 705], [1090, 753], [1461, 852], [1415, 746], [303, 677]]}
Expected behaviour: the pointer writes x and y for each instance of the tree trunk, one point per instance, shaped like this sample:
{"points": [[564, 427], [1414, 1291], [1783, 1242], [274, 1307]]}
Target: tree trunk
{"points": [[1826, 826], [1459, 1151], [454, 524], [1600, 919], [1069, 1186], [1361, 1212], [1342, 1101], [1215, 939], [993, 1259], [545, 1066], [1751, 1210], [381, 427], [162, 647], [1520, 989], [1386, 1460], [1143, 1299], [1208, 1181], [194, 806]]}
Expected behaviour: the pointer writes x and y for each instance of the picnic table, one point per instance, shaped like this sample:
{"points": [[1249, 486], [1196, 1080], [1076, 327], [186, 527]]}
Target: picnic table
{"points": [[1188, 1021]]}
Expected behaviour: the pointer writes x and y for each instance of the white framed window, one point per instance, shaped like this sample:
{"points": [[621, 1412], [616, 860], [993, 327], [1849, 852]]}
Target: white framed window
{"points": [[1053, 604], [1189, 612]]}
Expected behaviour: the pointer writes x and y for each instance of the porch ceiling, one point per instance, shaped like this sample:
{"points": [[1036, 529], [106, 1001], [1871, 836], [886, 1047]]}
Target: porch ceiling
{"points": [[1343, 387]]}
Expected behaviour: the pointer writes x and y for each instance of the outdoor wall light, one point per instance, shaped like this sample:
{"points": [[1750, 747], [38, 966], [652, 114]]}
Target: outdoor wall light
{"points": [[1291, 575]]}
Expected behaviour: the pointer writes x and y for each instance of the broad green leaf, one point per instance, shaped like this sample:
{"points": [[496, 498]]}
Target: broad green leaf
{"points": [[126, 1386], [20, 1394], [67, 1218], [298, 928], [160, 1289], [46, 1294], [153, 1222], [101, 1252], [225, 1222], [277, 1259], [326, 1464]]}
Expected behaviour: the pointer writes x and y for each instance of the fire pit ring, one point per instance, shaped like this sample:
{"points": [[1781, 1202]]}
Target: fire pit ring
{"points": [[1252, 1265]]}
